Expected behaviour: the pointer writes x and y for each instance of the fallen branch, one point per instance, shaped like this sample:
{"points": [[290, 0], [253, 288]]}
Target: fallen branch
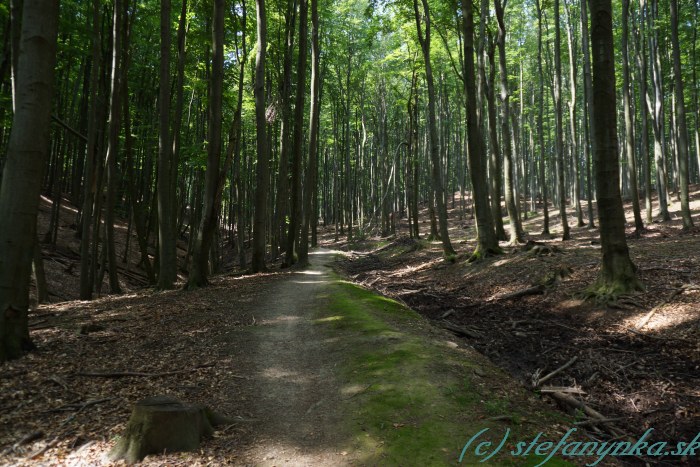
{"points": [[460, 330], [565, 399], [138, 374], [28, 438], [562, 389], [535, 290], [556, 372]]}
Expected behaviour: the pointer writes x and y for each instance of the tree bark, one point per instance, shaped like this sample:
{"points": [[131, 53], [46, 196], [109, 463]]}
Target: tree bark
{"points": [[617, 274], [86, 282], [559, 126], [262, 178], [540, 126], [682, 127], [516, 229], [205, 234], [487, 243], [314, 120], [629, 121], [297, 155], [113, 144], [27, 154], [167, 254], [436, 169]]}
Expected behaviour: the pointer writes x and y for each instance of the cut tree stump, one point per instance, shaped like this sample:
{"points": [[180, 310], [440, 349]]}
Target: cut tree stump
{"points": [[162, 424]]}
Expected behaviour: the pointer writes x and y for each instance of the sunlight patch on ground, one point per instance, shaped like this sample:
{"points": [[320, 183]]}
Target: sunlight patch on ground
{"points": [[310, 273], [311, 282], [281, 319], [286, 375]]}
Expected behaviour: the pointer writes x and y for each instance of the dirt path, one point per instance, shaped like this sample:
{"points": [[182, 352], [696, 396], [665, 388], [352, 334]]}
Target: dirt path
{"points": [[293, 383]]}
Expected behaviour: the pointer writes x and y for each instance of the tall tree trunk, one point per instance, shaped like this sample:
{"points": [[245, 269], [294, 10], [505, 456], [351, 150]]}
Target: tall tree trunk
{"points": [[558, 137], [656, 111], [617, 274], [494, 166], [167, 254], [314, 120], [27, 154], [279, 224], [298, 135], [487, 243], [113, 144], [540, 126], [436, 169], [262, 178], [629, 121], [682, 128], [516, 229], [587, 111], [571, 41], [86, 282], [205, 234]]}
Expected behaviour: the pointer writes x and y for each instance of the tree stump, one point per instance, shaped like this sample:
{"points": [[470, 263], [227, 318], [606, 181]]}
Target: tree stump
{"points": [[162, 424]]}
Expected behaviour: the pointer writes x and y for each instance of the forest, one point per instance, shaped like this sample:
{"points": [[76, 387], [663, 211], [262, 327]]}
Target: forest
{"points": [[350, 233]]}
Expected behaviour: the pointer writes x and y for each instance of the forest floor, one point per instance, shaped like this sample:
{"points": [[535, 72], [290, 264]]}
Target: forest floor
{"points": [[318, 371], [637, 359], [313, 370]]}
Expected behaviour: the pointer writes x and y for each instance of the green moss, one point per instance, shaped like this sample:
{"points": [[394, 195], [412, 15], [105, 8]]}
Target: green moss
{"points": [[419, 404]]}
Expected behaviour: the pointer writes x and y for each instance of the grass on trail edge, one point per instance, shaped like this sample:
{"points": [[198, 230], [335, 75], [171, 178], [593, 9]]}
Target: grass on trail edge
{"points": [[414, 400]]}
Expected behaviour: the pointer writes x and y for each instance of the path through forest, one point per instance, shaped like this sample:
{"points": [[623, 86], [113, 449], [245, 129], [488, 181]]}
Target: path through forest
{"points": [[293, 389]]}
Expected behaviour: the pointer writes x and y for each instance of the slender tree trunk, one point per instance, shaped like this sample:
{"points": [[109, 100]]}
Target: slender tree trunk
{"points": [[617, 274], [561, 191], [436, 169], [167, 254], [487, 243], [280, 216], [86, 282], [494, 166], [298, 135], [540, 126], [571, 41], [587, 111], [205, 234], [113, 145], [516, 229], [262, 174], [27, 154], [656, 111], [682, 128], [629, 121], [314, 120]]}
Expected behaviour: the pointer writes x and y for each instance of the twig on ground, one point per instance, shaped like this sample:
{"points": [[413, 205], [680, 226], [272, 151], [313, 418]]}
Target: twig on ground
{"points": [[556, 372]]}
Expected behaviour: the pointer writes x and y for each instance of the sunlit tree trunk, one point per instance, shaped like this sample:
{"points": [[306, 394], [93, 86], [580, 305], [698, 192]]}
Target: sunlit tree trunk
{"points": [[558, 137], [487, 243], [682, 128], [540, 126], [516, 229], [629, 121], [436, 166]]}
